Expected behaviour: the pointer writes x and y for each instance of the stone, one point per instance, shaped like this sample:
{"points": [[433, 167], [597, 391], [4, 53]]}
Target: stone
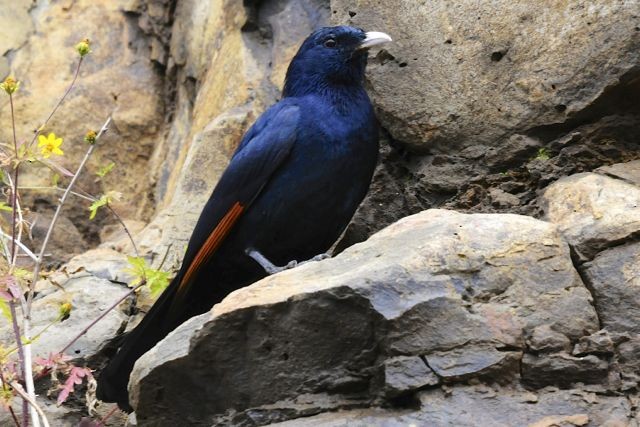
{"points": [[15, 25], [629, 171], [562, 369], [116, 79], [404, 374], [545, 340], [599, 343], [614, 278], [503, 199], [89, 297], [592, 211], [629, 364], [461, 291], [471, 406], [484, 75]]}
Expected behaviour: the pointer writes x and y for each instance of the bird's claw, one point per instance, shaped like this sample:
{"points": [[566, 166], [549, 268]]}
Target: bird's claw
{"points": [[271, 268]]}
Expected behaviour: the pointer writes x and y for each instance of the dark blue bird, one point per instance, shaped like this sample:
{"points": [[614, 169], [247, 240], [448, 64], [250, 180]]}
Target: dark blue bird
{"points": [[291, 188]]}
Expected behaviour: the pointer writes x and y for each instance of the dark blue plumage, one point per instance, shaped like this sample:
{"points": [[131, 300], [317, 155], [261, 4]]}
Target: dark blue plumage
{"points": [[289, 191]]}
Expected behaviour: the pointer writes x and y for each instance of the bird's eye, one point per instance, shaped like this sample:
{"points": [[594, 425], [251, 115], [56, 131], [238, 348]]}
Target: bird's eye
{"points": [[330, 43]]}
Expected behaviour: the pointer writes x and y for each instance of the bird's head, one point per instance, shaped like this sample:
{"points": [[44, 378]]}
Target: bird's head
{"points": [[331, 56]]}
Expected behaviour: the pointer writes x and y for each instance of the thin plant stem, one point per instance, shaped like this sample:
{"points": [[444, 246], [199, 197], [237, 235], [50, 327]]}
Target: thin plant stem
{"points": [[21, 245], [126, 229], [18, 388], [13, 415], [82, 196], [58, 104], [12, 260], [104, 419], [16, 332], [63, 199], [36, 269], [99, 318]]}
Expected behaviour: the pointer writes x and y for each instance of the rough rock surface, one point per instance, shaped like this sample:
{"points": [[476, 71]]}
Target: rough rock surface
{"points": [[489, 406], [593, 212], [481, 112], [460, 292], [489, 75], [483, 109]]}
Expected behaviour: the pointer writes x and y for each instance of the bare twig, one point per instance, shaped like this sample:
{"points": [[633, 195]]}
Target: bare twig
{"points": [[18, 388], [126, 230], [58, 104], [13, 415], [16, 332], [21, 245], [12, 260], [97, 319]]}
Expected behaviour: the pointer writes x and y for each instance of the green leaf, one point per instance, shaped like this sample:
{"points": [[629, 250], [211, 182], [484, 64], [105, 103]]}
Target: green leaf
{"points": [[5, 207], [157, 280], [102, 201], [55, 179], [6, 311], [104, 170]]}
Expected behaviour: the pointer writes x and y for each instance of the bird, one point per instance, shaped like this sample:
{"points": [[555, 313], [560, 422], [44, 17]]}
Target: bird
{"points": [[289, 191]]}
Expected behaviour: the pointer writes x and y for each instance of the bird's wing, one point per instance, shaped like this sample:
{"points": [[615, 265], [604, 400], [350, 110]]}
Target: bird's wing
{"points": [[262, 151]]}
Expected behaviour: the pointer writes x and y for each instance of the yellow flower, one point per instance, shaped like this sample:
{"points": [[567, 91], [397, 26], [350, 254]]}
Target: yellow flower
{"points": [[84, 47], [65, 310], [90, 137], [9, 85], [50, 145]]}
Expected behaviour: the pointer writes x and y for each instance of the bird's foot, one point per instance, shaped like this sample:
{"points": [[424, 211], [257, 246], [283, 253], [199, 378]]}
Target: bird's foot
{"points": [[271, 268]]}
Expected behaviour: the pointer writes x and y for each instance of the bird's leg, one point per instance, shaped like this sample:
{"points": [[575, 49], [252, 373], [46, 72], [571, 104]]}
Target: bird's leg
{"points": [[271, 268]]}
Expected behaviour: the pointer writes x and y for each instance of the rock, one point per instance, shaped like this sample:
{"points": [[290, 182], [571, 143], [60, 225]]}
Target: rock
{"points": [[254, 43], [471, 406], [599, 343], [502, 198], [629, 171], [450, 287], [489, 75], [593, 211], [16, 27], [545, 340], [89, 297], [406, 374], [629, 364], [614, 278], [116, 79], [562, 369]]}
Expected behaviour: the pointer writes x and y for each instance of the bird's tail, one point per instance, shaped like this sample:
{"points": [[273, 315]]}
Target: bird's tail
{"points": [[114, 378]]}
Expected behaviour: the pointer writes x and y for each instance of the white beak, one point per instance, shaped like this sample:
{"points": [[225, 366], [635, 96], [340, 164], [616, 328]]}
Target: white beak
{"points": [[374, 38]]}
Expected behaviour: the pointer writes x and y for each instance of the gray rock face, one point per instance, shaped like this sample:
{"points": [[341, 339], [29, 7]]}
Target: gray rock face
{"points": [[614, 277], [487, 406], [471, 75], [459, 293]]}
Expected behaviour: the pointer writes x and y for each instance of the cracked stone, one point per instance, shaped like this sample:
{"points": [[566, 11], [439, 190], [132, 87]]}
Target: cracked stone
{"points": [[404, 374], [598, 343], [593, 212], [461, 290], [562, 369], [545, 340], [614, 277]]}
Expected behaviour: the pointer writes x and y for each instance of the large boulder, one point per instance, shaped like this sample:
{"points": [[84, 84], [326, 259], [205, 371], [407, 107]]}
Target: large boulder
{"points": [[437, 298], [459, 73]]}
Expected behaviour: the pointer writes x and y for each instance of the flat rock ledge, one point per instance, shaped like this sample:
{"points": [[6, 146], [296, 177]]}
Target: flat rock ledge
{"points": [[438, 311]]}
